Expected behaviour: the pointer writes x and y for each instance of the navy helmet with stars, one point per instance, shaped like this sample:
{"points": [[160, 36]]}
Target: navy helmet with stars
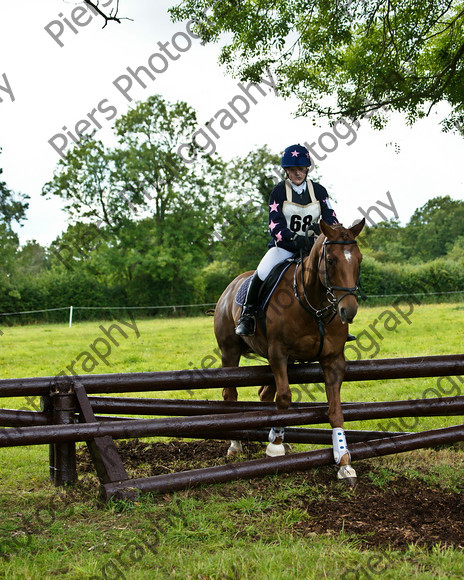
{"points": [[295, 156]]}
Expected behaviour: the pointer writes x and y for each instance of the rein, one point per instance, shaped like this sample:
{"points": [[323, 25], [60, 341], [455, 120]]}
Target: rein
{"points": [[325, 315]]}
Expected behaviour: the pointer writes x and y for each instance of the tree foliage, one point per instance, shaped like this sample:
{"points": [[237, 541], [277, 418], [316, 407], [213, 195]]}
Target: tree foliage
{"points": [[435, 230], [13, 205], [344, 57], [143, 174]]}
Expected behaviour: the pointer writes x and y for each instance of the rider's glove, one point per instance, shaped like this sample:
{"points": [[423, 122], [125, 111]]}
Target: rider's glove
{"points": [[303, 243]]}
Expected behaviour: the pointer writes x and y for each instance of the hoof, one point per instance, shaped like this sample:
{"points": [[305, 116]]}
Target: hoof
{"points": [[348, 475], [234, 449], [273, 450]]}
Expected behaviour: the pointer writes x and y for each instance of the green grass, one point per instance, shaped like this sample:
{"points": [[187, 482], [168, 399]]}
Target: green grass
{"points": [[229, 531]]}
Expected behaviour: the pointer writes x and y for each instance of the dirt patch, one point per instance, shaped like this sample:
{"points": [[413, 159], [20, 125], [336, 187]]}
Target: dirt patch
{"points": [[397, 513], [149, 459], [403, 512]]}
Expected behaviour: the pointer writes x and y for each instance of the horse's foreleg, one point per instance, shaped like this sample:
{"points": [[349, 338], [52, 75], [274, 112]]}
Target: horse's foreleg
{"points": [[334, 371], [278, 364]]}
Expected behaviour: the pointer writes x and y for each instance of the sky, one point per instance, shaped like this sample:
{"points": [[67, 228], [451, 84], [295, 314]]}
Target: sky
{"points": [[59, 68]]}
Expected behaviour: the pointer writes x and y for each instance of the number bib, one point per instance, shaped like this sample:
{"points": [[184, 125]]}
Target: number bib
{"points": [[298, 216]]}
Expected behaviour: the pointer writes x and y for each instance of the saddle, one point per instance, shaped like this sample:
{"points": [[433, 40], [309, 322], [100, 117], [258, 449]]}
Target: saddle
{"points": [[267, 287]]}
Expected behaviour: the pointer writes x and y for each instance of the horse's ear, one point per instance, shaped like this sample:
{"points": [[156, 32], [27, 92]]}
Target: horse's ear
{"points": [[327, 230], [357, 228]]}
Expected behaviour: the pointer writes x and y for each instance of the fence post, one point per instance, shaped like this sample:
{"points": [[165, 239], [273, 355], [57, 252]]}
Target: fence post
{"points": [[70, 316], [46, 405], [64, 454]]}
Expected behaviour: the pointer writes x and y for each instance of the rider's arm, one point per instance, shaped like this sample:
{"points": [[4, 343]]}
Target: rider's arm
{"points": [[278, 227], [327, 212]]}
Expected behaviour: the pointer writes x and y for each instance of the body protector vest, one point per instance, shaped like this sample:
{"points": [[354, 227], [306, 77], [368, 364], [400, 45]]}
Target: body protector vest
{"points": [[299, 217]]}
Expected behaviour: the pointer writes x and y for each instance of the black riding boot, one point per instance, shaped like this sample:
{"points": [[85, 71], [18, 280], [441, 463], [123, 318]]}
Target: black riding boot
{"points": [[246, 325]]}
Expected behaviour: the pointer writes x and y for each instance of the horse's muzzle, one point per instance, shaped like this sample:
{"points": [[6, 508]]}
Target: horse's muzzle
{"points": [[348, 310]]}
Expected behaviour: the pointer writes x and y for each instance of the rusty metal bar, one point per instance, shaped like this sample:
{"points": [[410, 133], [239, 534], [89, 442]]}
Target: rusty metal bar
{"points": [[182, 407], [362, 370], [196, 426], [288, 464], [15, 418], [298, 435]]}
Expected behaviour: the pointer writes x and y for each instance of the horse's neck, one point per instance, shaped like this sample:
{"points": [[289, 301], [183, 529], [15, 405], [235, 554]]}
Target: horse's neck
{"points": [[313, 286]]}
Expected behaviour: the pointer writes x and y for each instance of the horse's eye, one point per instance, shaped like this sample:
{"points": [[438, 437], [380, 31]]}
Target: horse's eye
{"points": [[330, 261]]}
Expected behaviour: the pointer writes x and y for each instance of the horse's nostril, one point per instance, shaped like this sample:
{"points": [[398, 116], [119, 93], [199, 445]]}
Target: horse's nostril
{"points": [[346, 315]]}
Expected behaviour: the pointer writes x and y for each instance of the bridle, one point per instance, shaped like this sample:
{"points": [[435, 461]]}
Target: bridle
{"points": [[353, 291], [325, 315]]}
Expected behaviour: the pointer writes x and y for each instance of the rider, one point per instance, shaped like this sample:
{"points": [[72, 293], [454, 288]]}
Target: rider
{"points": [[295, 205]]}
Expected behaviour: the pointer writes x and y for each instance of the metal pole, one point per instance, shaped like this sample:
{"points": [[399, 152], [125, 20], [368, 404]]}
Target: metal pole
{"points": [[362, 370], [287, 464], [64, 464], [14, 418], [196, 426], [70, 316], [182, 407], [46, 405]]}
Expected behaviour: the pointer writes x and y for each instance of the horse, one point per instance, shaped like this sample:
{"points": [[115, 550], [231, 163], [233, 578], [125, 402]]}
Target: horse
{"points": [[306, 320]]}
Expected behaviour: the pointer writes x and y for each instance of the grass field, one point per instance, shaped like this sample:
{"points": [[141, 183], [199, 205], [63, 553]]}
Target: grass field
{"points": [[238, 530]]}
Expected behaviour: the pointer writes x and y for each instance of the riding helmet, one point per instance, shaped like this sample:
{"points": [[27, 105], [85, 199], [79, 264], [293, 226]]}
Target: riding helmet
{"points": [[295, 156]]}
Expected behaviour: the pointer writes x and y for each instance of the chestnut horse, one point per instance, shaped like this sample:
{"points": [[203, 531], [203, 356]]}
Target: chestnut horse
{"points": [[306, 319]]}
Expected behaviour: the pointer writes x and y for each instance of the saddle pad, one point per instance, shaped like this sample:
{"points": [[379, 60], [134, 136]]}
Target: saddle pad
{"points": [[242, 291], [268, 287]]}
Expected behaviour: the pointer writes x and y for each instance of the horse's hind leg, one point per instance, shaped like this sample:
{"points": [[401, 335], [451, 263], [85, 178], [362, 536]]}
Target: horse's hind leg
{"points": [[278, 361], [231, 352], [267, 393]]}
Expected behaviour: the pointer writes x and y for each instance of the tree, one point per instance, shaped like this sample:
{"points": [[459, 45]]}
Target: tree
{"points": [[347, 57], [153, 137], [13, 205], [245, 218], [84, 181], [31, 259], [385, 242], [434, 228], [144, 175], [9, 243], [152, 212], [13, 208], [253, 176]]}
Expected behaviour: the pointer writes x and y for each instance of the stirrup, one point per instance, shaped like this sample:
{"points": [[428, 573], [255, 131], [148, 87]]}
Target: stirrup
{"points": [[246, 325]]}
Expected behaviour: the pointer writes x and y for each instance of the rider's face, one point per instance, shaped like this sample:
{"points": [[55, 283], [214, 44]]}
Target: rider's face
{"points": [[297, 174]]}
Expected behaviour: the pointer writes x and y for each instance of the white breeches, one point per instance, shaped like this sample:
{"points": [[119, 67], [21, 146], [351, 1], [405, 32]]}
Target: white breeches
{"points": [[272, 257]]}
